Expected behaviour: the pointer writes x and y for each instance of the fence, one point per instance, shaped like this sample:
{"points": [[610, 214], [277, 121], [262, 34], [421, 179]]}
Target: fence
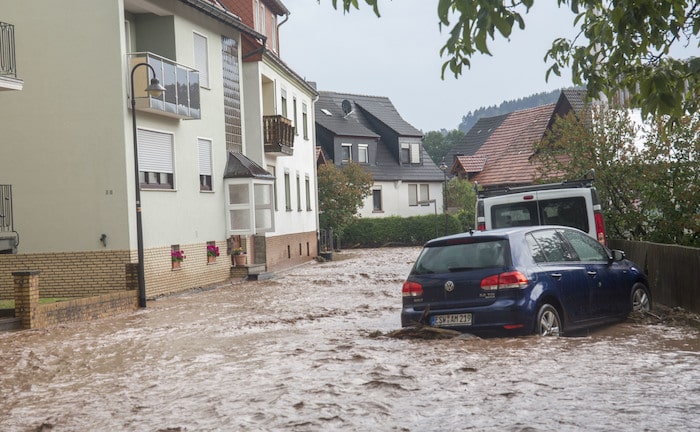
{"points": [[673, 271]]}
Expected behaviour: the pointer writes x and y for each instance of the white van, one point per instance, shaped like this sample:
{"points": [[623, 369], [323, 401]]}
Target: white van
{"points": [[569, 203]]}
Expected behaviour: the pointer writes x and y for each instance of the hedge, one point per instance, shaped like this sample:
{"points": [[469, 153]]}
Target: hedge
{"points": [[395, 230]]}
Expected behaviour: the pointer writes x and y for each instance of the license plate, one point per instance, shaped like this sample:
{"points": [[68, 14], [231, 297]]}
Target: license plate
{"points": [[452, 320]]}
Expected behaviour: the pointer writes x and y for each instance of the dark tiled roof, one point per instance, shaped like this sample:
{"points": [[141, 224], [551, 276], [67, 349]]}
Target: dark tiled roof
{"points": [[378, 107], [330, 115], [476, 137], [576, 97], [239, 166]]}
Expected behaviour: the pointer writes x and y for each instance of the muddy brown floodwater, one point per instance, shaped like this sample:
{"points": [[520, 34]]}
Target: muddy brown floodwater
{"points": [[307, 351]]}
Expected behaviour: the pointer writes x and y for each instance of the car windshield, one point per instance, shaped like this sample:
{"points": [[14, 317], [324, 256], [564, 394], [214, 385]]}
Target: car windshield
{"points": [[464, 256]]}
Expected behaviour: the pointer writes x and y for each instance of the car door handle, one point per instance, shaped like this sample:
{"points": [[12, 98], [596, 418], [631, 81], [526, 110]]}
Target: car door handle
{"points": [[592, 273], [556, 275]]}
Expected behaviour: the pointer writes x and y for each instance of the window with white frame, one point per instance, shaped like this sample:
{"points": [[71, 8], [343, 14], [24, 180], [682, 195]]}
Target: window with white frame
{"points": [[287, 192], [305, 120], [201, 59], [362, 153], [155, 159], [205, 164], [250, 206], [295, 119], [346, 153], [283, 102], [308, 193], [418, 193], [273, 171], [239, 207], [264, 207], [377, 200], [410, 153], [298, 192]]}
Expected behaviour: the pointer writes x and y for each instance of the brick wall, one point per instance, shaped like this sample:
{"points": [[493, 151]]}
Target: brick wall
{"points": [[83, 274], [289, 250]]}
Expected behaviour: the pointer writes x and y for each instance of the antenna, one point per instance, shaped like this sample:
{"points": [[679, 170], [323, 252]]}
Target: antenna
{"points": [[347, 106]]}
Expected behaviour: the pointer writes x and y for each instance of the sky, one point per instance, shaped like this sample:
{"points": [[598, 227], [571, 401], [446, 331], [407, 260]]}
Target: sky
{"points": [[397, 56]]}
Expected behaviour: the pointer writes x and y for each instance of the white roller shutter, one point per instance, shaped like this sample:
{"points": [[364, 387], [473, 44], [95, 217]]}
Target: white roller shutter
{"points": [[204, 157], [155, 151], [201, 59]]}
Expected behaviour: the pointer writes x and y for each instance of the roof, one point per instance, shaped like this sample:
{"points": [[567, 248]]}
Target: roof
{"points": [[469, 164], [356, 122], [239, 166]]}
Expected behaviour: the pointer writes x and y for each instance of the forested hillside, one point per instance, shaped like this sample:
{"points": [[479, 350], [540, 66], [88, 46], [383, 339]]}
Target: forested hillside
{"points": [[507, 107]]}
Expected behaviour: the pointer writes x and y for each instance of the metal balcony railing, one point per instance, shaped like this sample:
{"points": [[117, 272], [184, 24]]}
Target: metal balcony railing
{"points": [[8, 67], [181, 96], [6, 208], [278, 135]]}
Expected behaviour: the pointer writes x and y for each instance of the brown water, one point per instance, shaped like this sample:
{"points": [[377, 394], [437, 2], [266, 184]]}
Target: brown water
{"points": [[303, 352]]}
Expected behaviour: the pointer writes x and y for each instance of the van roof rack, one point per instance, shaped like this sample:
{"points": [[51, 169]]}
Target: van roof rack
{"points": [[581, 183]]}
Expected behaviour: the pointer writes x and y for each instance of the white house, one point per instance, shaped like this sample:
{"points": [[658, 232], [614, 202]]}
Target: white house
{"points": [[68, 152]]}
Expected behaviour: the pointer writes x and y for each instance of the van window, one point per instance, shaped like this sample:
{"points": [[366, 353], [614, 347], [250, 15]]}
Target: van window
{"points": [[561, 211]]}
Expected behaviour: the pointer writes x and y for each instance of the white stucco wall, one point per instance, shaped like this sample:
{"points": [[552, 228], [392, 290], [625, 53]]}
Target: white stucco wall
{"points": [[395, 200]]}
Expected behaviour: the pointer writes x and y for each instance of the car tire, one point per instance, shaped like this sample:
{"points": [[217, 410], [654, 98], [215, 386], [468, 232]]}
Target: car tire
{"points": [[640, 300], [548, 321]]}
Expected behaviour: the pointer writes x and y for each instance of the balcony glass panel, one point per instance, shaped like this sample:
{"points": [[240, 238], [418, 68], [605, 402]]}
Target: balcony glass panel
{"points": [[181, 96]]}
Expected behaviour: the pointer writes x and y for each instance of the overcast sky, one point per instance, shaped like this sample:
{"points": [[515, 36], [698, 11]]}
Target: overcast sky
{"points": [[397, 56]]}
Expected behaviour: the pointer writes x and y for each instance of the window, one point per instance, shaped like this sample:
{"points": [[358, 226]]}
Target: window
{"points": [[205, 171], [155, 159], [239, 207], [418, 193], [587, 248], [263, 18], [377, 200], [410, 153], [308, 193], [346, 153], [273, 171], [287, 193], [298, 193], [548, 246], [201, 59], [283, 102], [264, 220], [362, 153], [295, 119], [305, 120]]}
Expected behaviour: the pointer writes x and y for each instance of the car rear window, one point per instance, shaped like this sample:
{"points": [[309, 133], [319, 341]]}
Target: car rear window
{"points": [[462, 257], [561, 211]]}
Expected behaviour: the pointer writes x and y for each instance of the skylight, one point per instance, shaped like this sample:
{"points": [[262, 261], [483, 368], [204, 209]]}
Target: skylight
{"points": [[326, 112]]}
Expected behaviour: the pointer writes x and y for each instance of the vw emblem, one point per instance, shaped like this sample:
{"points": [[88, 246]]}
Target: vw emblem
{"points": [[449, 286]]}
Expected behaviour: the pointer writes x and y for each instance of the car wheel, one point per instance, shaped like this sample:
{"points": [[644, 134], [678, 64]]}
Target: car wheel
{"points": [[548, 321], [640, 298]]}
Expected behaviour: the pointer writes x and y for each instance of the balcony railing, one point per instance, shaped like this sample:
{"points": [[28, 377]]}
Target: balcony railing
{"points": [[6, 208], [8, 67], [181, 96], [278, 135]]}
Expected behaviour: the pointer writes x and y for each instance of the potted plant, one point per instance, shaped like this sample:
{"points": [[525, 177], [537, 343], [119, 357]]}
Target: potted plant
{"points": [[239, 256], [177, 257], [212, 253]]}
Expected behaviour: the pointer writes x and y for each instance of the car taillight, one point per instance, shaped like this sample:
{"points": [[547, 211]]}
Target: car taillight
{"points": [[599, 227], [507, 280], [411, 289]]}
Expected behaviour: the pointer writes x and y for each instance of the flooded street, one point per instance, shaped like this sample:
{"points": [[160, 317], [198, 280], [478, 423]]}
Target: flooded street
{"points": [[306, 352]]}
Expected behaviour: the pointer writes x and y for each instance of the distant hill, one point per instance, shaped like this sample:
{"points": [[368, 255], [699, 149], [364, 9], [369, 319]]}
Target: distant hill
{"points": [[506, 107]]}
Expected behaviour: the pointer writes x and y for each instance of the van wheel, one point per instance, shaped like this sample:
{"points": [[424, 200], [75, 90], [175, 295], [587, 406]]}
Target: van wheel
{"points": [[640, 298], [548, 321]]}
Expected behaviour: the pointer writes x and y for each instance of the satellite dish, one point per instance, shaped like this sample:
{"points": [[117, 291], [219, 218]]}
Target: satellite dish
{"points": [[347, 106]]}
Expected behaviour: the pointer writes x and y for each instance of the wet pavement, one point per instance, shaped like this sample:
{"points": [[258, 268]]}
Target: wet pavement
{"points": [[307, 351]]}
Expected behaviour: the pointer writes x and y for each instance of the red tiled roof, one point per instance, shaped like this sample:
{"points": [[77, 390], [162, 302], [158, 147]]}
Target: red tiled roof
{"points": [[509, 149], [469, 164]]}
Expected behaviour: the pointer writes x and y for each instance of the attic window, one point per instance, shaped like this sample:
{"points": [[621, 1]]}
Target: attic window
{"points": [[326, 112]]}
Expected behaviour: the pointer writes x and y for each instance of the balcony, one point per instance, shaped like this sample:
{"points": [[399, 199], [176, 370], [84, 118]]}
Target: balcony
{"points": [[278, 135], [8, 236], [181, 97], [8, 65]]}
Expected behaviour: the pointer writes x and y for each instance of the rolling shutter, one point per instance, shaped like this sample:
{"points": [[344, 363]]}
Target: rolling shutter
{"points": [[204, 157], [155, 151]]}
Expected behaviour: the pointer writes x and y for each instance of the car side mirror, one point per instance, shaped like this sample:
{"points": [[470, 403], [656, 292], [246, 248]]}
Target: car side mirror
{"points": [[618, 255]]}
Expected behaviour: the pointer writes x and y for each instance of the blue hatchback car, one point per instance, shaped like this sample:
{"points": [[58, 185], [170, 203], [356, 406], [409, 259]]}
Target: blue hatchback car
{"points": [[546, 280]]}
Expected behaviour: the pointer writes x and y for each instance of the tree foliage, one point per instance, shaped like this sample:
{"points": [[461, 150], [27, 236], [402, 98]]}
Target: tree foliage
{"points": [[648, 179], [438, 144], [462, 196], [620, 45], [340, 194]]}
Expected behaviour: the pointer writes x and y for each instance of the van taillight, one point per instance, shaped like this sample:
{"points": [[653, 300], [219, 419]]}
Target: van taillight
{"points": [[599, 227], [411, 289], [507, 280], [482, 226]]}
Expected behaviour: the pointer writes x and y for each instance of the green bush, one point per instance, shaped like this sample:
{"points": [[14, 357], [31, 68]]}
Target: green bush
{"points": [[395, 230]]}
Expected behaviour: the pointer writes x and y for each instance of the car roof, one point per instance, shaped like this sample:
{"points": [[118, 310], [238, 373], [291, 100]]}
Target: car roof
{"points": [[500, 232]]}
